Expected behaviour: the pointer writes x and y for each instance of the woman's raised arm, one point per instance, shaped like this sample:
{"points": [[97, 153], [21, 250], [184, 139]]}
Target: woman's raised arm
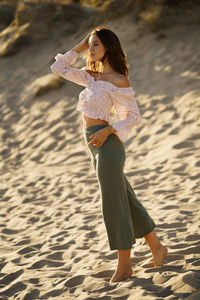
{"points": [[62, 64]]}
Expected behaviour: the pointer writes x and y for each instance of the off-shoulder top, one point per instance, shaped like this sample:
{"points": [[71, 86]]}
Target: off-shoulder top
{"points": [[99, 96]]}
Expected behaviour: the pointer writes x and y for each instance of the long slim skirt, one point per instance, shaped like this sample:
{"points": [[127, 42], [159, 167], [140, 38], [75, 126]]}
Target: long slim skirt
{"points": [[124, 216]]}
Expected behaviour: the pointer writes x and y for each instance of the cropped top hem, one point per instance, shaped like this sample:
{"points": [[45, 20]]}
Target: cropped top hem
{"points": [[99, 96], [92, 115]]}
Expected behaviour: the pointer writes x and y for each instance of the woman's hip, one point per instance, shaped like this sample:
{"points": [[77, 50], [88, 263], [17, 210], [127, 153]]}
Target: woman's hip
{"points": [[112, 145]]}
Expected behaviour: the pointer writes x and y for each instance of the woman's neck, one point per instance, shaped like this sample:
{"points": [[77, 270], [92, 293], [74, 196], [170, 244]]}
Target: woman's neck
{"points": [[106, 68]]}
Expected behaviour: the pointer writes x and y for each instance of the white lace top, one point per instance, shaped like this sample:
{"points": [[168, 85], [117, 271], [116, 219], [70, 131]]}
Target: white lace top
{"points": [[99, 96]]}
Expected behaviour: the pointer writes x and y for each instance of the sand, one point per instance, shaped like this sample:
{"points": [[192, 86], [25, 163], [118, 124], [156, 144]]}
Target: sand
{"points": [[53, 239]]}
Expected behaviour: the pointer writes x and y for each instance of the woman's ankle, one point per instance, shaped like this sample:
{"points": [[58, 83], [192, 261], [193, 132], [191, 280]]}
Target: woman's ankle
{"points": [[153, 241], [122, 267], [124, 260]]}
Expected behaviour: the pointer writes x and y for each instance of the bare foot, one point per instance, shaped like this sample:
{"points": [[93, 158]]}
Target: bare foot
{"points": [[159, 254], [121, 275]]}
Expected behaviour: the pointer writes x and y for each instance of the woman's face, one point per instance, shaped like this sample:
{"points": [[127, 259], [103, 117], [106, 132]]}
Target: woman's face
{"points": [[96, 48]]}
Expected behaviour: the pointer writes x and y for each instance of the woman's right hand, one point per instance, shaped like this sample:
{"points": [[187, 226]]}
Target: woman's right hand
{"points": [[83, 45], [85, 41]]}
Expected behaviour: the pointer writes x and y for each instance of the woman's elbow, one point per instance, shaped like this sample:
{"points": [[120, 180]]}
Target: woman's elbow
{"points": [[54, 67]]}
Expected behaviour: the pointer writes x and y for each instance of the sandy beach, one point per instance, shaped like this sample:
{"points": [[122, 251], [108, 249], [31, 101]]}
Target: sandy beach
{"points": [[53, 239]]}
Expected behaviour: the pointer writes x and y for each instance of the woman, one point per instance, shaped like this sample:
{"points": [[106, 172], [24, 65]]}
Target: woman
{"points": [[107, 87]]}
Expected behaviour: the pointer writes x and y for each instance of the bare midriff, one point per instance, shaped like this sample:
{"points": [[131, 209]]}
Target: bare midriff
{"points": [[87, 121]]}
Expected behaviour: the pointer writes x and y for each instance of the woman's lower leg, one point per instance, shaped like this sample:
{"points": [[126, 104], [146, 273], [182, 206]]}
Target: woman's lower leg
{"points": [[158, 250], [124, 269], [124, 259]]}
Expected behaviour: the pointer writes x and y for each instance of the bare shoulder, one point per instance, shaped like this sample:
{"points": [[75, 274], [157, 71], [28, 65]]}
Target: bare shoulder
{"points": [[117, 79], [121, 81]]}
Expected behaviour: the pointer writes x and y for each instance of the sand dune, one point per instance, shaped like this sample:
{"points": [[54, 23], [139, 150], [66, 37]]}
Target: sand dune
{"points": [[53, 240]]}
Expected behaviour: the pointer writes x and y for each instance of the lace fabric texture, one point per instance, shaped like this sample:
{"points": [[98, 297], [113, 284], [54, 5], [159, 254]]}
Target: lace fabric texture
{"points": [[98, 98]]}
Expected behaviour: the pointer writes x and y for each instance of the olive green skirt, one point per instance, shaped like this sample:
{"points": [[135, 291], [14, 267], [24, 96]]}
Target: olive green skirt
{"points": [[124, 216]]}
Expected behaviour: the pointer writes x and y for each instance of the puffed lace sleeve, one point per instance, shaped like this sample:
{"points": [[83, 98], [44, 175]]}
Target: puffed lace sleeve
{"points": [[126, 106], [62, 68]]}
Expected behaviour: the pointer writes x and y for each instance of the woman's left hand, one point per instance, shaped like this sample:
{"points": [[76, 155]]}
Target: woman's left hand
{"points": [[99, 137]]}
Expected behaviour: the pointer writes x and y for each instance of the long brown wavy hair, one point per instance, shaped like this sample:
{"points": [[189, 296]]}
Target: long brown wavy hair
{"points": [[116, 56]]}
